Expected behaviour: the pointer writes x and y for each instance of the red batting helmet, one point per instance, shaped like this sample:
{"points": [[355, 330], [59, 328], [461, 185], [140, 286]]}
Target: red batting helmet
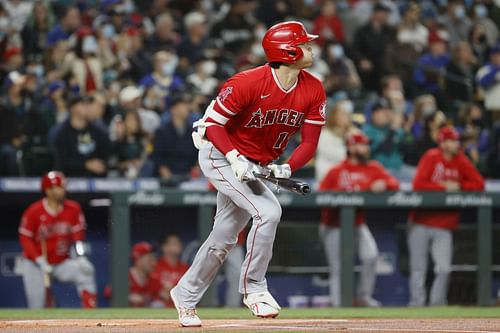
{"points": [[53, 178], [281, 42]]}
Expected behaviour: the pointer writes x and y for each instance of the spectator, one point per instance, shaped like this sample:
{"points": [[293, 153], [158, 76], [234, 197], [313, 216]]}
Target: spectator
{"points": [[53, 108], [493, 157], [129, 144], [51, 229], [34, 33], [455, 21], [331, 145], [479, 43], [480, 17], [69, 23], [13, 59], [234, 33], [130, 100], [83, 64], [488, 78], [138, 60], [170, 268], [18, 11], [194, 41], [441, 169], [343, 74], [164, 36], [369, 45], [202, 79], [10, 141], [144, 284], [328, 25], [174, 154], [81, 148], [474, 135], [15, 98], [385, 136], [431, 65], [356, 173], [459, 79], [162, 81], [423, 106], [411, 31], [433, 122]]}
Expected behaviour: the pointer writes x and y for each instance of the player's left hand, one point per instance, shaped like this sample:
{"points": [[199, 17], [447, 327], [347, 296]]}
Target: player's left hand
{"points": [[85, 265], [280, 170]]}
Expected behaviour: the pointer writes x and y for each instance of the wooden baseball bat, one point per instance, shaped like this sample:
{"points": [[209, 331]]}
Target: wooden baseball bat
{"points": [[47, 281]]}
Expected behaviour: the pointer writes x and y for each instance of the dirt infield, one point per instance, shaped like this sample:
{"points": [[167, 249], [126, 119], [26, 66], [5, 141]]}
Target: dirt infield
{"points": [[235, 325]]}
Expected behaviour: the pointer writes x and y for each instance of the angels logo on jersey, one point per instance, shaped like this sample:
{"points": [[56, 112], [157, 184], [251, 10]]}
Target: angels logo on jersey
{"points": [[322, 109], [224, 93]]}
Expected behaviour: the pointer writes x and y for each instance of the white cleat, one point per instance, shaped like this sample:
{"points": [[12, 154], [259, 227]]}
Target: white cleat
{"points": [[187, 317], [262, 304]]}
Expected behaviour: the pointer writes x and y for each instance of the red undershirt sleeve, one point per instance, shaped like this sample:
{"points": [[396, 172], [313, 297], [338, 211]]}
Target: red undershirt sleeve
{"points": [[307, 148]]}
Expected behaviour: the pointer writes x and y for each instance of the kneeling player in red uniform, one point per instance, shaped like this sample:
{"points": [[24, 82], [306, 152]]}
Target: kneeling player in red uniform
{"points": [[357, 173], [49, 229]]}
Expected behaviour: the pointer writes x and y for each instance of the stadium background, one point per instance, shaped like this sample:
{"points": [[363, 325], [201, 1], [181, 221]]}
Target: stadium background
{"points": [[236, 45]]}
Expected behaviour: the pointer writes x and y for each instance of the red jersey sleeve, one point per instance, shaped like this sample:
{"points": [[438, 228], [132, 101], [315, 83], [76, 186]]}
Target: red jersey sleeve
{"points": [[470, 178], [231, 100], [423, 177], [307, 148], [317, 111], [78, 224], [382, 173], [27, 230]]}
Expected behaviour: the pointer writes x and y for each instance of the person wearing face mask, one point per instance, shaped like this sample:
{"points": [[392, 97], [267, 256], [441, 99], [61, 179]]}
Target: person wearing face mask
{"points": [[455, 21], [355, 174], [202, 79], [480, 16], [163, 81], [343, 73]]}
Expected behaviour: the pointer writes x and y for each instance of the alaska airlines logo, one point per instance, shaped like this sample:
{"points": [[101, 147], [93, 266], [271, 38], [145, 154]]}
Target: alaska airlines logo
{"points": [[288, 117]]}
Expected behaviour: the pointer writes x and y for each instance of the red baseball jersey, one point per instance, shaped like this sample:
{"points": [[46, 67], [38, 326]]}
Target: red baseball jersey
{"points": [[170, 275], [142, 291], [60, 229], [260, 116], [349, 177], [432, 170]]}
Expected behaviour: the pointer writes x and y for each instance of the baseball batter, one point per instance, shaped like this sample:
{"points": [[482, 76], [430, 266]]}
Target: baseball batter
{"points": [[58, 225], [440, 169], [245, 129], [356, 173]]}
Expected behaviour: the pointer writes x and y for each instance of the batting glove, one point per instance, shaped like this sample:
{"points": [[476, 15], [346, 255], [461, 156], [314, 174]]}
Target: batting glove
{"points": [[242, 167], [280, 170], [43, 264]]}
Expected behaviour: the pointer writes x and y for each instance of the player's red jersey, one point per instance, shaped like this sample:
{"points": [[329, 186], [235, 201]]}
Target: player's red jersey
{"points": [[60, 229], [260, 117], [349, 177], [142, 291], [432, 170], [170, 275]]}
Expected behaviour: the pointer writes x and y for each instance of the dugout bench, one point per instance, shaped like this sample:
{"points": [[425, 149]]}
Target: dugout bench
{"points": [[346, 202]]}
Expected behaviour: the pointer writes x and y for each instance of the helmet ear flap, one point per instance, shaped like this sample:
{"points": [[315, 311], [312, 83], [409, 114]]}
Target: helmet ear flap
{"points": [[292, 53]]}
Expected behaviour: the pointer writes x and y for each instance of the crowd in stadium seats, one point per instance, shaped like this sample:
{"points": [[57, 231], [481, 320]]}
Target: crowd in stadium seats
{"points": [[111, 88]]}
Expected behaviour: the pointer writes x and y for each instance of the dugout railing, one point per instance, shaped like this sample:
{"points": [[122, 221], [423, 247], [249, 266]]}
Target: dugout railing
{"points": [[484, 203]]}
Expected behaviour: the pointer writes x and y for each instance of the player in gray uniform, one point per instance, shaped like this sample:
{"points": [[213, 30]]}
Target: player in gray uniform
{"points": [[244, 130]]}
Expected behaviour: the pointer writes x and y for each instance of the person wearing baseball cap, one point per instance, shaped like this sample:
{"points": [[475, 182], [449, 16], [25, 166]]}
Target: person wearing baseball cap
{"points": [[357, 173], [52, 236], [144, 285], [445, 169], [488, 78]]}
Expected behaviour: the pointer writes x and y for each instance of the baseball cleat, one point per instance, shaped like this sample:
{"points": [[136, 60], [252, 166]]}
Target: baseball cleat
{"points": [[262, 304], [187, 317]]}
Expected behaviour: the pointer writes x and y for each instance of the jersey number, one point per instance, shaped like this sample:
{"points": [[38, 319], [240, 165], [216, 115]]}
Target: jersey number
{"points": [[282, 139]]}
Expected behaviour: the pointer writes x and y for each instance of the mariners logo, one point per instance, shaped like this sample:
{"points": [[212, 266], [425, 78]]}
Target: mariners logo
{"points": [[322, 109], [224, 93]]}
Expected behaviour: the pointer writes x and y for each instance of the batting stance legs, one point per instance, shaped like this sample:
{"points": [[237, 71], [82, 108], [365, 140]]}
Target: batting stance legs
{"points": [[236, 203], [77, 271], [440, 242]]}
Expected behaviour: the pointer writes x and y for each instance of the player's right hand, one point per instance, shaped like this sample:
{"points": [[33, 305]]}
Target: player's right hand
{"points": [[43, 264], [242, 167]]}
